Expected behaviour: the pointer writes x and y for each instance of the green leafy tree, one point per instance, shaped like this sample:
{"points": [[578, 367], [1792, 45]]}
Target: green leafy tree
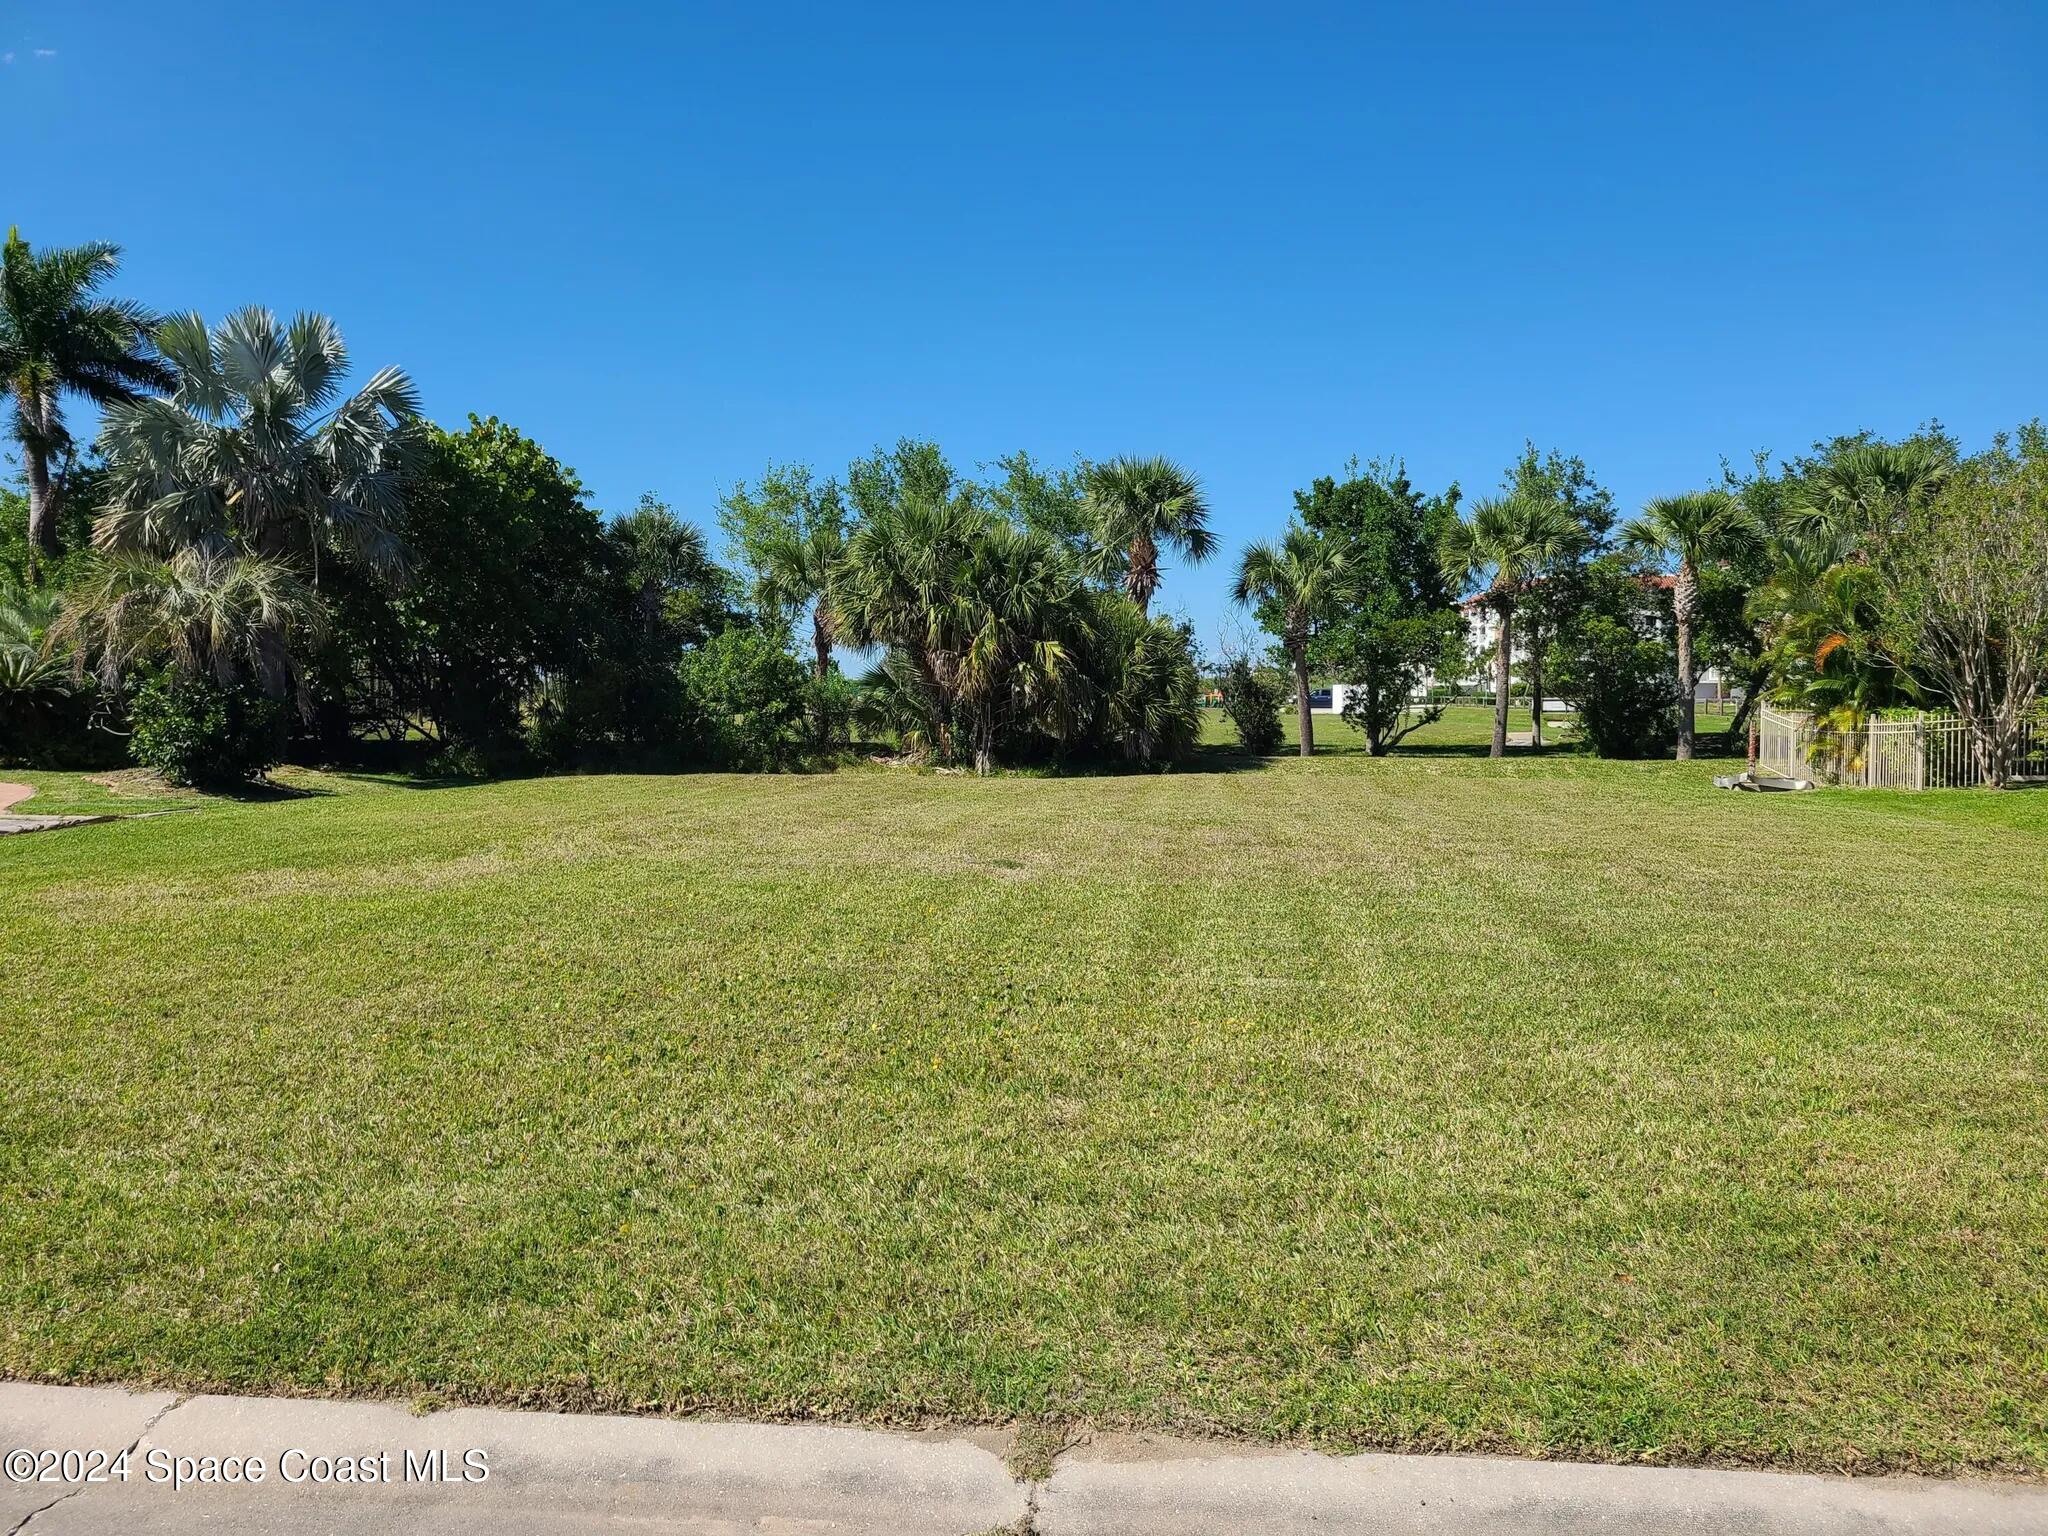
{"points": [[1692, 532], [1398, 623], [1557, 589], [1501, 548], [1055, 502], [1251, 698], [58, 337], [1613, 661], [1964, 576], [750, 695], [981, 619], [1300, 581], [1142, 504]]}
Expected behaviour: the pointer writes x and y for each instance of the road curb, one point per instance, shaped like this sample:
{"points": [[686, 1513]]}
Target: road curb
{"points": [[355, 1468]]}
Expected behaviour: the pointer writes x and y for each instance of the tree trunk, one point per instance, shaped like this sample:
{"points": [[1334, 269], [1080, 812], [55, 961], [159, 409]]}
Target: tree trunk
{"points": [[1685, 597], [1143, 578], [1501, 677], [1536, 687], [821, 647], [1753, 744], [984, 746], [1298, 649], [821, 668], [42, 505]]}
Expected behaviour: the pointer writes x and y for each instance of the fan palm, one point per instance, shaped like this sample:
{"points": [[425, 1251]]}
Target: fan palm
{"points": [[1303, 576], [1141, 504], [212, 614], [1500, 548], [56, 338], [1022, 628], [1695, 530], [799, 570], [902, 564], [1863, 489], [255, 451], [1147, 686]]}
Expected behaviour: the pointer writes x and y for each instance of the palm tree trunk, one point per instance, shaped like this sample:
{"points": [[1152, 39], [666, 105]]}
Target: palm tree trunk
{"points": [[821, 647], [1535, 688], [1143, 578], [821, 666], [1684, 600], [1304, 720], [1501, 673], [42, 504]]}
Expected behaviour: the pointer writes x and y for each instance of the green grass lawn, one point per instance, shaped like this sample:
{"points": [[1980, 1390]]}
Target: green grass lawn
{"points": [[1552, 1105], [94, 794]]}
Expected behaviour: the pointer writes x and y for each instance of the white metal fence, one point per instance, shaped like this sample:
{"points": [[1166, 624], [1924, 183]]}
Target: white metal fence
{"points": [[1916, 752]]}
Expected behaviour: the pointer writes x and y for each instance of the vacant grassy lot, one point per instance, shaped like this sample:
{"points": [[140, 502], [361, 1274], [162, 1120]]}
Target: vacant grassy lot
{"points": [[1558, 1106]]}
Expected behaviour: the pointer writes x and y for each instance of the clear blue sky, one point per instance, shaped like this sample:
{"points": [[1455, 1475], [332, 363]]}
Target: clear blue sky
{"points": [[674, 242]]}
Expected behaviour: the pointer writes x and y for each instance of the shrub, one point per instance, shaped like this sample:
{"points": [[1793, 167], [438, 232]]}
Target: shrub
{"points": [[1614, 664], [1252, 700], [750, 695], [194, 730]]}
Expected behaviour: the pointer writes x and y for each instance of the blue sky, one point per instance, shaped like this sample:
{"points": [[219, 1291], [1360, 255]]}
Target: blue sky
{"points": [[674, 242]]}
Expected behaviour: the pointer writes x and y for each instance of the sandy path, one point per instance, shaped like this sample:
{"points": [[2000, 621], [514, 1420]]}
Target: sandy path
{"points": [[12, 795]]}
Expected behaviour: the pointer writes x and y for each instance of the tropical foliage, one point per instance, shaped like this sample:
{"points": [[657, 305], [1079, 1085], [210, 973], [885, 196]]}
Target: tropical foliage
{"points": [[1502, 548], [1299, 582], [60, 336], [263, 552]]}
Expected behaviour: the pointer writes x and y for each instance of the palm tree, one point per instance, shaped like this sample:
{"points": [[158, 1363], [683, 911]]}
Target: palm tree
{"points": [[1022, 627], [798, 570], [1698, 529], [223, 495], [27, 665], [1500, 548], [1302, 576], [57, 338], [1864, 488], [213, 614], [255, 450], [902, 561], [1141, 504]]}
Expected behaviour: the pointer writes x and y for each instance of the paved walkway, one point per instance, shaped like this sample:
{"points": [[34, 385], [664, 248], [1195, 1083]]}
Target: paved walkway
{"points": [[233, 1466], [13, 794]]}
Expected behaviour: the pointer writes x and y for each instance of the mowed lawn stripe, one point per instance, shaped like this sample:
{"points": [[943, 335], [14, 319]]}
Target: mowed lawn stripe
{"points": [[1560, 1106]]}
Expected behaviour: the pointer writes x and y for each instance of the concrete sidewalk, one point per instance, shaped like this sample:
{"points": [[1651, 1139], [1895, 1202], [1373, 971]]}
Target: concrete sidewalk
{"points": [[242, 1466]]}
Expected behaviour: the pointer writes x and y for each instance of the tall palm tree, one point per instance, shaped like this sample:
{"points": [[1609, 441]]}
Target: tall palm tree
{"points": [[1303, 576], [799, 569], [1695, 530], [1141, 504], [1500, 548], [981, 618], [56, 338], [256, 450]]}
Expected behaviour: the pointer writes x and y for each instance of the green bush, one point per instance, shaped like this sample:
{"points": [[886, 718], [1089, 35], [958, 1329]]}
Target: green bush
{"points": [[193, 730], [751, 696], [1252, 700], [1613, 662]]}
